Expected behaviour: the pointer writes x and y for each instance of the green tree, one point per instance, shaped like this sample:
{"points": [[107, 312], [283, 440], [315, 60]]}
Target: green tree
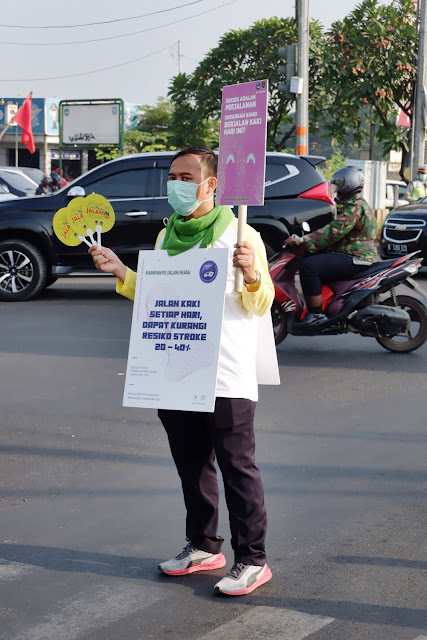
{"points": [[332, 164], [368, 68], [156, 122], [242, 55]]}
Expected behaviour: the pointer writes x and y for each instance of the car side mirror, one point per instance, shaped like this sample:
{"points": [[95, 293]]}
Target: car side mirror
{"points": [[76, 192]]}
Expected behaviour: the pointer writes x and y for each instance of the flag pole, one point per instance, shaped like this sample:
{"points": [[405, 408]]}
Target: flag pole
{"points": [[12, 119], [16, 146]]}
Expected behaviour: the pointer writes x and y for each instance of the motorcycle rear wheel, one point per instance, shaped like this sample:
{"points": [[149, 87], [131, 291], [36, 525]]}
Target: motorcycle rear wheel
{"points": [[417, 331], [280, 328]]}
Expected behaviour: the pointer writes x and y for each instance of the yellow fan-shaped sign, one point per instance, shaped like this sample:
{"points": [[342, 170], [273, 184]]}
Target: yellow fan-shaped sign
{"points": [[99, 211], [76, 217], [81, 218], [63, 230]]}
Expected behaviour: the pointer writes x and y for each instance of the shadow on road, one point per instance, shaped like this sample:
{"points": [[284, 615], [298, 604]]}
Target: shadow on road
{"points": [[380, 562], [55, 559], [75, 561], [71, 292], [82, 454], [354, 611], [367, 357], [361, 434], [280, 479], [285, 470]]}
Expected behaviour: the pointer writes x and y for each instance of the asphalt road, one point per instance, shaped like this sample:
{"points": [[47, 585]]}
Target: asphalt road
{"points": [[90, 501]]}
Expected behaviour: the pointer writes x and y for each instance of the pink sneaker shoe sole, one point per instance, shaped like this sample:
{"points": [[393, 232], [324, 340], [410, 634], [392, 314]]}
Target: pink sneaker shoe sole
{"points": [[266, 576], [209, 566]]}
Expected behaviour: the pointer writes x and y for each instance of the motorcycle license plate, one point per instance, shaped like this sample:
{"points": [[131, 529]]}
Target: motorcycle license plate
{"points": [[398, 249]]}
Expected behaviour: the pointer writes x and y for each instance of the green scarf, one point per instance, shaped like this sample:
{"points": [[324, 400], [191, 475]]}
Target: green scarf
{"points": [[182, 234]]}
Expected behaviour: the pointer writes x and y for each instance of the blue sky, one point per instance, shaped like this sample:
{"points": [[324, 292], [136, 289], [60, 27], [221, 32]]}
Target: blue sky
{"points": [[27, 66]]}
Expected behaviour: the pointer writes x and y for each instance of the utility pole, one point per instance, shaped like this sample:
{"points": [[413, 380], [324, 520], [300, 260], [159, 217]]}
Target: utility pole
{"points": [[179, 56], [419, 135], [301, 105], [371, 141], [16, 146]]}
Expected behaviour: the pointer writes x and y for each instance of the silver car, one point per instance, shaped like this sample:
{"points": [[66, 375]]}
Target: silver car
{"points": [[17, 182]]}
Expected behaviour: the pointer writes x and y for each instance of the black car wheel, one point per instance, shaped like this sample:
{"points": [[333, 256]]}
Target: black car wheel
{"points": [[23, 271], [417, 334], [280, 329]]}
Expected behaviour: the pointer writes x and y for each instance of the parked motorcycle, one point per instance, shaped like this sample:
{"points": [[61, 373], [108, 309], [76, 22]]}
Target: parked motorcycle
{"points": [[398, 322]]}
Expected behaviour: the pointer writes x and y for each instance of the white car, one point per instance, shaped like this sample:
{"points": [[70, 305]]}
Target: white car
{"points": [[17, 182], [389, 197], [5, 193]]}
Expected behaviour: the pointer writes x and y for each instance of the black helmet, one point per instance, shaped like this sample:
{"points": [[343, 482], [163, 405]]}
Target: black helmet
{"points": [[47, 180], [55, 178], [348, 180]]}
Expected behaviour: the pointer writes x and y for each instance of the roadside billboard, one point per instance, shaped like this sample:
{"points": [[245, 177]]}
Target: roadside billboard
{"points": [[91, 123]]}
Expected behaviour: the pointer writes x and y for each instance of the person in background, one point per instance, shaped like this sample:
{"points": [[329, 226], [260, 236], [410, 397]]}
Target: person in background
{"points": [[417, 188], [45, 186], [56, 181], [342, 249], [227, 434], [63, 180]]}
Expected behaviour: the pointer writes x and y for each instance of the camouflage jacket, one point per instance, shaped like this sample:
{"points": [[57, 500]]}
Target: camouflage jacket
{"points": [[353, 233]]}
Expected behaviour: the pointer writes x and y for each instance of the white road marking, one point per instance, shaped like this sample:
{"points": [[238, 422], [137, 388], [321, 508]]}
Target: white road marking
{"points": [[269, 623], [90, 610], [11, 570], [421, 638]]}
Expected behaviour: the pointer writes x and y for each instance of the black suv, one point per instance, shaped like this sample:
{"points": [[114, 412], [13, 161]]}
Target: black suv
{"points": [[405, 230], [32, 258]]}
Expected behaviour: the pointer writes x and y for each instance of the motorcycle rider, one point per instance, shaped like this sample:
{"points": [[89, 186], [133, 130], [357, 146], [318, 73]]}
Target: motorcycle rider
{"points": [[417, 188], [342, 248], [45, 186], [56, 181]]}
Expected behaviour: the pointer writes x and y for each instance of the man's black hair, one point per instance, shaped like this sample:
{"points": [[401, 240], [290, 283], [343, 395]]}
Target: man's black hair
{"points": [[207, 157]]}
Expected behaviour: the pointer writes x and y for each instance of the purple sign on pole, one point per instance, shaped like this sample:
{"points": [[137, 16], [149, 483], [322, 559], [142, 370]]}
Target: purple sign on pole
{"points": [[241, 164]]}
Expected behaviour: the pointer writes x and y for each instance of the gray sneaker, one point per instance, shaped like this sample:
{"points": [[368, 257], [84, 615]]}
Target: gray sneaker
{"points": [[242, 579], [191, 560]]}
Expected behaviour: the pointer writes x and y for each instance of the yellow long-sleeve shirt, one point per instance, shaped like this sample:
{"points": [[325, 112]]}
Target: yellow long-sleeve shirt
{"points": [[237, 357]]}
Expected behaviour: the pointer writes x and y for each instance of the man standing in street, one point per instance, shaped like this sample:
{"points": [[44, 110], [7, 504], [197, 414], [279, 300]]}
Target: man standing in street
{"points": [[228, 433], [417, 188]]}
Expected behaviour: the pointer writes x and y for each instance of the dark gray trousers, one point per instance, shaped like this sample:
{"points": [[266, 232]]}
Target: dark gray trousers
{"points": [[228, 433]]}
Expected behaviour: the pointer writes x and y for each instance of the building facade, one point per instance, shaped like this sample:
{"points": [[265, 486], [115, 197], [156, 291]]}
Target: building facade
{"points": [[45, 128]]}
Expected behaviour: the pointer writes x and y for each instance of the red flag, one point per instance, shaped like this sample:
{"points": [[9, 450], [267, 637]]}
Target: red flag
{"points": [[23, 117]]}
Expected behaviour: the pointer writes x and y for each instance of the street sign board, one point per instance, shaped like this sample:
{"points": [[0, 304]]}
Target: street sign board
{"points": [[176, 330], [243, 134], [91, 123], [11, 111]]}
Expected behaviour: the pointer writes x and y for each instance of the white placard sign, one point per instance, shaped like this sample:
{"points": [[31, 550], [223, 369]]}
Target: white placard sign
{"points": [[90, 124], [176, 330]]}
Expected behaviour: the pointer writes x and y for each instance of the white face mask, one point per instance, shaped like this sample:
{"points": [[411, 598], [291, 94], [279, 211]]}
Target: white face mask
{"points": [[423, 176], [182, 196]]}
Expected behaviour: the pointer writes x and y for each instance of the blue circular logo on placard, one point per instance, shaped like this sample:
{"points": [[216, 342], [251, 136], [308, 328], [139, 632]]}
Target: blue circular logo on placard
{"points": [[114, 110], [208, 271], [66, 112]]}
